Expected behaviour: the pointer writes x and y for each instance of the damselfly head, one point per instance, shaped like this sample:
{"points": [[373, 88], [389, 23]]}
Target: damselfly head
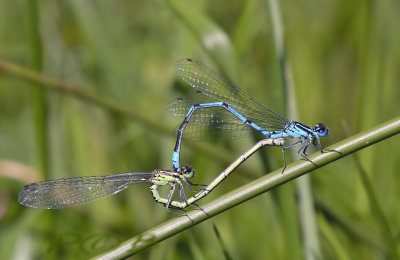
{"points": [[321, 129], [187, 172]]}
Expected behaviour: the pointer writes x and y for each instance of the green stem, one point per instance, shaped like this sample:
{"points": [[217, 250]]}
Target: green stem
{"points": [[38, 96], [253, 189], [303, 209]]}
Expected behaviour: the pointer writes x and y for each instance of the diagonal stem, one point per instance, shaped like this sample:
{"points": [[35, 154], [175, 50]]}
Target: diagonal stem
{"points": [[253, 189]]}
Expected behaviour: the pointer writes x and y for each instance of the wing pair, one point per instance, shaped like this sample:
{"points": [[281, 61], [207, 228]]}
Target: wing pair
{"points": [[216, 122]]}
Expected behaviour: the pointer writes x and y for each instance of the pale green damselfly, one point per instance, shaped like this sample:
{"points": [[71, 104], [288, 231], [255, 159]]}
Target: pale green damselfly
{"points": [[70, 192]]}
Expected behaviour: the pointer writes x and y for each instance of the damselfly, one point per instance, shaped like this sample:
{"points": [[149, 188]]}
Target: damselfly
{"points": [[220, 104], [69, 192]]}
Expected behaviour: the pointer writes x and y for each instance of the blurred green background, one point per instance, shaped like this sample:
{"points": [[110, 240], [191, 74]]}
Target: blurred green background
{"points": [[345, 59]]}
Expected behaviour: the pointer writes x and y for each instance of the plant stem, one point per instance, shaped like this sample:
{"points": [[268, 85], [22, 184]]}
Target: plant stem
{"points": [[253, 189]]}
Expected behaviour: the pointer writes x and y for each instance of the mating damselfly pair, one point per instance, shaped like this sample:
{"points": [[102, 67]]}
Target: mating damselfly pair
{"points": [[215, 102]]}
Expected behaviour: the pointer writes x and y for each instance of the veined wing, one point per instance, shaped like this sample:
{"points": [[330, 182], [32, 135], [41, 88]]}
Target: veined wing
{"points": [[211, 134], [217, 117], [213, 85], [202, 78], [207, 124], [69, 192]]}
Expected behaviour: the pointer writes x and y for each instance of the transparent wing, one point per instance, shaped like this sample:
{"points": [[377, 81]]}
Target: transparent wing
{"points": [[207, 124], [69, 192], [210, 134], [213, 85], [217, 117]]}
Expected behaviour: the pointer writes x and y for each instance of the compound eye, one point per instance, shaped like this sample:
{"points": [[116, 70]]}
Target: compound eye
{"points": [[187, 169], [320, 127]]}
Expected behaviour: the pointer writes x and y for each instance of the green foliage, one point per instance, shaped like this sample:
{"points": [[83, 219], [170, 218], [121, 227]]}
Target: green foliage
{"points": [[115, 62]]}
